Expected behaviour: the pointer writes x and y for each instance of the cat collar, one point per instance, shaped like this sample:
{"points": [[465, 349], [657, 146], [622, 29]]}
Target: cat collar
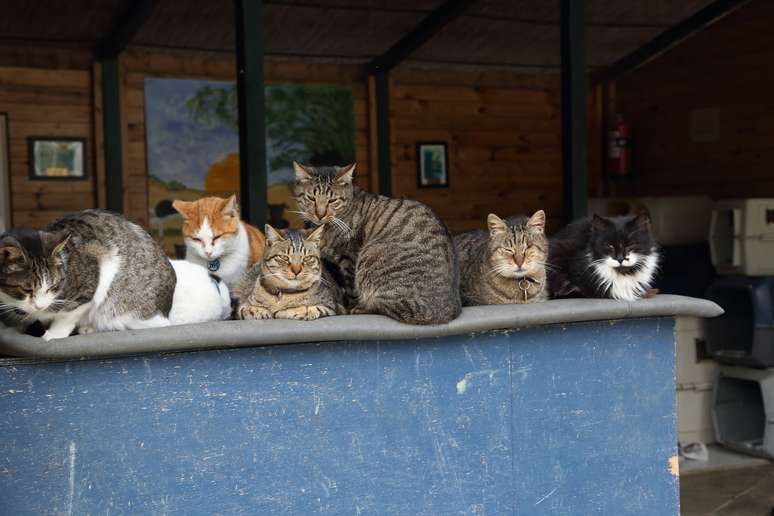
{"points": [[213, 265]]}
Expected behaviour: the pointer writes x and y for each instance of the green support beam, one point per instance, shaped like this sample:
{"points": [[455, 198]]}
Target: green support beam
{"points": [[111, 120], [253, 176], [574, 110], [382, 100]]}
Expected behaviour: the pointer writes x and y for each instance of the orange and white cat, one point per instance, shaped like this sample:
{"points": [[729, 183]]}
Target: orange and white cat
{"points": [[216, 238]]}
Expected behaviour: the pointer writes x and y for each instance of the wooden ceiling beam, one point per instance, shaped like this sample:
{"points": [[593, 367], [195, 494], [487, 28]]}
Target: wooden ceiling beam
{"points": [[419, 35], [126, 27], [668, 39]]}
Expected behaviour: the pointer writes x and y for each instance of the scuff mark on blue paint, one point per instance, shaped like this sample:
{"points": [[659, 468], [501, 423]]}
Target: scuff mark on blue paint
{"points": [[462, 385], [71, 478], [547, 496]]}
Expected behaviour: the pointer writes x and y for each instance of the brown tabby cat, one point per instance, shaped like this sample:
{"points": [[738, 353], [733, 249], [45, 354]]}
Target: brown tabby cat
{"points": [[505, 265], [395, 256], [290, 282]]}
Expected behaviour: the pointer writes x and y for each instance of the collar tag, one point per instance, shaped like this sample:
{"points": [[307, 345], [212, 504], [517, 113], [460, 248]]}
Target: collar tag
{"points": [[213, 265]]}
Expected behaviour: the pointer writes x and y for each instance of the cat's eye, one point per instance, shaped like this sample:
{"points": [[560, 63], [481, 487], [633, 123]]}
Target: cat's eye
{"points": [[216, 237], [310, 259], [308, 197], [197, 240]]}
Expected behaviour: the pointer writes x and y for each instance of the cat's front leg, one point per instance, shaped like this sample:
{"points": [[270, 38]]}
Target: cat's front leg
{"points": [[253, 312], [305, 313], [59, 329]]}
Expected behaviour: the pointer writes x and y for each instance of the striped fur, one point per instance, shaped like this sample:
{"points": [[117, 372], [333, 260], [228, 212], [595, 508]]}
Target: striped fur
{"points": [[395, 255], [290, 282], [506, 264]]}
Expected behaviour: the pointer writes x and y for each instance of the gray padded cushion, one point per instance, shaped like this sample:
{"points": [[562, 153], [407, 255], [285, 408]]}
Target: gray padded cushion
{"points": [[226, 334]]}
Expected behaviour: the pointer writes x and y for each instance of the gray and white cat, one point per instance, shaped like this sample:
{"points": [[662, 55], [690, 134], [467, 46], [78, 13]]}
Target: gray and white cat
{"points": [[92, 270], [290, 282], [396, 257], [506, 264]]}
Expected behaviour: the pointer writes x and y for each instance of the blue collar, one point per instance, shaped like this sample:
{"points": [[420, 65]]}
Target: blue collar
{"points": [[213, 265]]}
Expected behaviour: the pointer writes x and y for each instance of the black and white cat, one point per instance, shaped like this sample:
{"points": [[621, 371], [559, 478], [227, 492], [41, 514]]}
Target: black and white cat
{"points": [[604, 257]]}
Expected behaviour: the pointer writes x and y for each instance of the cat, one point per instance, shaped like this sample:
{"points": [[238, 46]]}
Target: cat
{"points": [[92, 270], [506, 264], [395, 255], [615, 257], [216, 238], [291, 281], [199, 295]]}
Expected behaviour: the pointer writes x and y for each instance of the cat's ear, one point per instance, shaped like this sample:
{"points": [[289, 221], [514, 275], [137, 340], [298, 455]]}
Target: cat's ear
{"points": [[642, 219], [345, 174], [231, 207], [303, 173], [496, 225], [182, 207], [316, 235], [537, 221], [10, 255], [59, 247], [598, 222], [272, 235]]}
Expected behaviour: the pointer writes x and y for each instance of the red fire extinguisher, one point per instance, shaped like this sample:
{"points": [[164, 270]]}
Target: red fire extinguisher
{"points": [[619, 158]]}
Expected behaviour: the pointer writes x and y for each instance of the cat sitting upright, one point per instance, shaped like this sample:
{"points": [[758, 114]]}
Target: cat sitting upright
{"points": [[506, 264], [291, 281], [604, 257], [216, 238]]}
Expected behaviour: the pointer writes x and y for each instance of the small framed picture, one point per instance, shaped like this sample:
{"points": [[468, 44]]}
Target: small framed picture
{"points": [[432, 165], [57, 158]]}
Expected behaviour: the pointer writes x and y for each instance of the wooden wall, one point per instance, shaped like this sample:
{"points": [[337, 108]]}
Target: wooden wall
{"points": [[46, 102], [723, 74], [504, 142], [504, 150]]}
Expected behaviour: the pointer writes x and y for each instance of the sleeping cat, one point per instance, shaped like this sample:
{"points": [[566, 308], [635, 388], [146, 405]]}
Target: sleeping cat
{"points": [[290, 282], [395, 255], [506, 264], [615, 257], [216, 238], [200, 296], [91, 270]]}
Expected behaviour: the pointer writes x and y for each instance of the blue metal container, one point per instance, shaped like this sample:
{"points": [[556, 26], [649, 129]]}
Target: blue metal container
{"points": [[486, 417]]}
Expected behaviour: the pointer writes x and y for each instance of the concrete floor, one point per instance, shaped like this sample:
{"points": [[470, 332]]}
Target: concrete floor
{"points": [[737, 491]]}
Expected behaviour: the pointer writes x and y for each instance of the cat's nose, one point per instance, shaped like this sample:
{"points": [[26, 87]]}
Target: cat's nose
{"points": [[519, 260], [296, 268], [320, 212]]}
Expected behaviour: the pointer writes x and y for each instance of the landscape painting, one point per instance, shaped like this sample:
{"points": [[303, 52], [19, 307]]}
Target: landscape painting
{"points": [[193, 144]]}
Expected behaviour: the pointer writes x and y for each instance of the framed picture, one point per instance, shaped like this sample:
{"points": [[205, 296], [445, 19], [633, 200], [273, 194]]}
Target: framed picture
{"points": [[432, 165], [57, 158]]}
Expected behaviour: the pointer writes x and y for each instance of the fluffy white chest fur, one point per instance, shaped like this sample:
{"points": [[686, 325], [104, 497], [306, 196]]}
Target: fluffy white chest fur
{"points": [[197, 298], [233, 258], [627, 287]]}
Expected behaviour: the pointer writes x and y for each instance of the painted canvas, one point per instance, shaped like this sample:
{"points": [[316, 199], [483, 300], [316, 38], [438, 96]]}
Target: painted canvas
{"points": [[193, 144]]}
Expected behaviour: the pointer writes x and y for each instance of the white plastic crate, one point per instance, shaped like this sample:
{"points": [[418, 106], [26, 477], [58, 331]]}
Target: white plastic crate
{"points": [[676, 220], [694, 416], [742, 237]]}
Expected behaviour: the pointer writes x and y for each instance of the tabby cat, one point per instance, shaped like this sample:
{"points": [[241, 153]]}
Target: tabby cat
{"points": [[506, 264], [92, 270], [216, 238], [291, 281], [395, 255], [615, 257]]}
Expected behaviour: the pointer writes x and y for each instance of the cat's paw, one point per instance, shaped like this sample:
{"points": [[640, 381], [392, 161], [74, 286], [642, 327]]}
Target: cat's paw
{"points": [[359, 309], [299, 313], [85, 330], [253, 312], [51, 335]]}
